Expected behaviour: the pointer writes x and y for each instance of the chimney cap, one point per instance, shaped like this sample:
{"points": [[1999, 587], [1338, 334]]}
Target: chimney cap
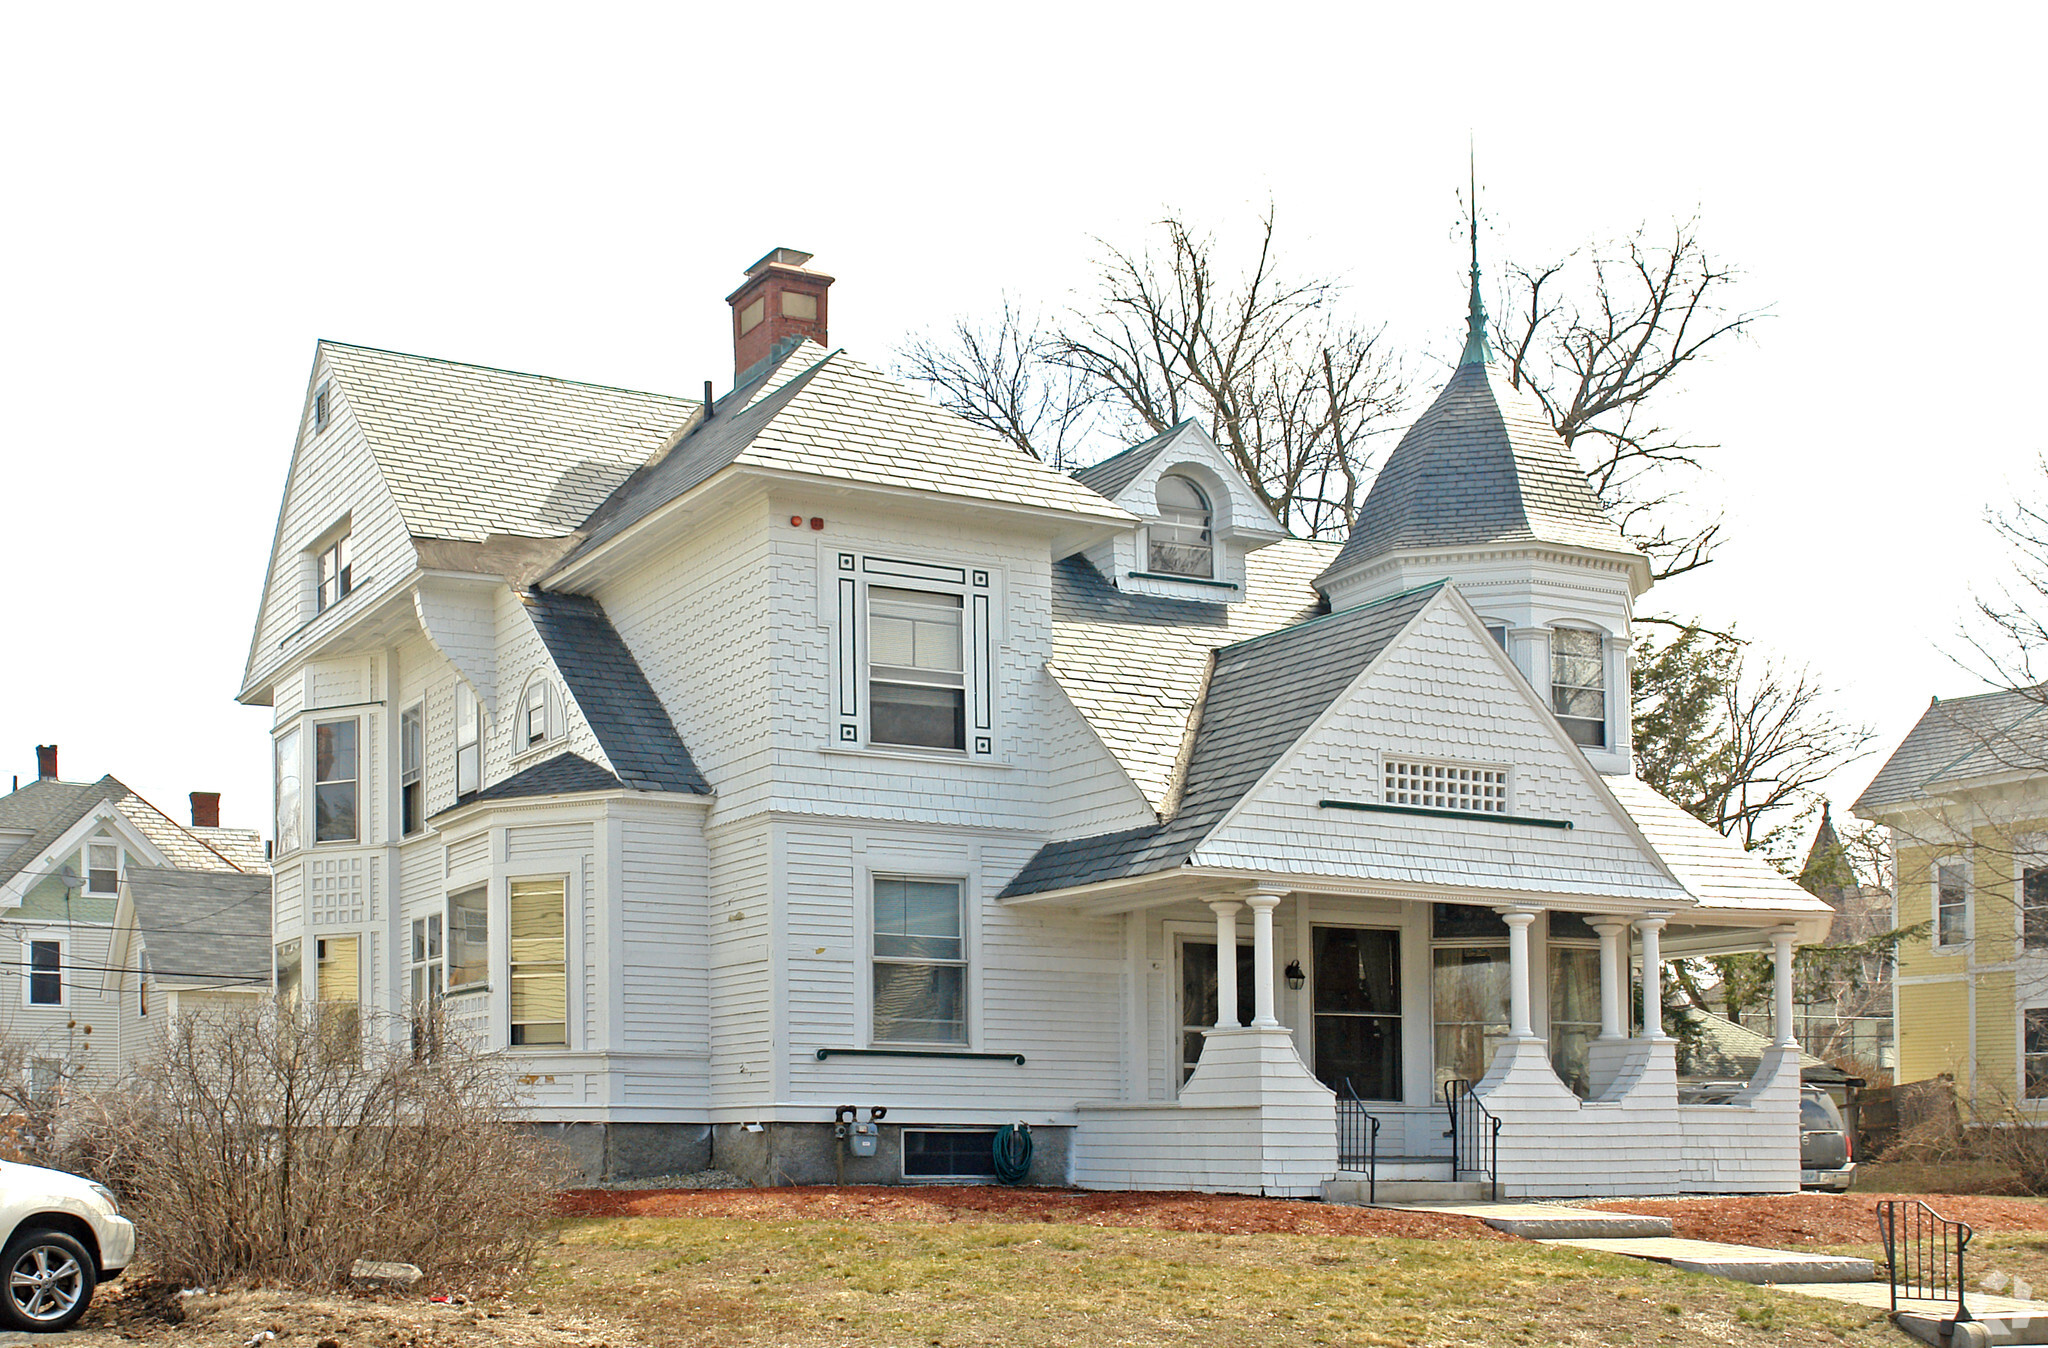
{"points": [[780, 257]]}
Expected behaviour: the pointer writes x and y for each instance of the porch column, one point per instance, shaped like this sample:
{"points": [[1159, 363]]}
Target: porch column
{"points": [[1226, 962], [1653, 977], [1613, 976], [1262, 903], [1518, 920], [1782, 940]]}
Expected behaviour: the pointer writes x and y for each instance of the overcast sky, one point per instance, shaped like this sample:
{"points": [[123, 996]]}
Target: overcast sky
{"points": [[195, 194]]}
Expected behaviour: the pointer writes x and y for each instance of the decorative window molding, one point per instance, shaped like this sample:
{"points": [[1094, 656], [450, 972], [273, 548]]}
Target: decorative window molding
{"points": [[915, 656], [1464, 787], [102, 867], [539, 721], [1953, 920]]}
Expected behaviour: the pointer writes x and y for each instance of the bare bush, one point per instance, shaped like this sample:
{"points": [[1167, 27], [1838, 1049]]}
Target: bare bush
{"points": [[279, 1144]]}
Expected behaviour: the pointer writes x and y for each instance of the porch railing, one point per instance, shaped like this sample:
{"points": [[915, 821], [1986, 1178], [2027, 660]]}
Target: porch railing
{"points": [[1923, 1253], [1474, 1134], [1358, 1140]]}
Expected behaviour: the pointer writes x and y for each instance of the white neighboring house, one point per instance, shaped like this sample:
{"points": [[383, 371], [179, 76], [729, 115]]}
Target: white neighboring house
{"points": [[731, 764], [73, 989]]}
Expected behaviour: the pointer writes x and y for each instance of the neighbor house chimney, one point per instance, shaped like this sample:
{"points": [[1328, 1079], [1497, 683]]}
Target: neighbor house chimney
{"points": [[206, 809], [780, 304], [46, 762]]}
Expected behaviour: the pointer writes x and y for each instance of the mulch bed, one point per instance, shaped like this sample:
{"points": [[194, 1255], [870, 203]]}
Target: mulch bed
{"points": [[1821, 1219], [1222, 1214]]}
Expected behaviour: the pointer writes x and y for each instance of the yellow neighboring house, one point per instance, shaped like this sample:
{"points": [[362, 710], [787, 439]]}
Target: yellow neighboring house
{"points": [[1965, 797]]}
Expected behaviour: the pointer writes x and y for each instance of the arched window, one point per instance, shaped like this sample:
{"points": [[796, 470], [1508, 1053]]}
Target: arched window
{"points": [[1578, 684], [1180, 542]]}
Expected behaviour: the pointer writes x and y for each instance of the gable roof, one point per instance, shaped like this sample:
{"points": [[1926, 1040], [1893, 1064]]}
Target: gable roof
{"points": [[1714, 869], [200, 927], [468, 451], [1481, 465], [1960, 737], [826, 415], [48, 809], [1111, 475], [1262, 695], [612, 691], [1134, 664]]}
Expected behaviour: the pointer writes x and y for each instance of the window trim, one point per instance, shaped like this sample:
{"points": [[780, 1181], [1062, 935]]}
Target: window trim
{"points": [[355, 781], [341, 547], [295, 758], [1606, 688], [2028, 859], [844, 608], [473, 722], [323, 406], [919, 676], [1961, 864], [2020, 1055], [448, 929], [426, 958], [552, 721], [966, 886], [29, 972], [1173, 523]]}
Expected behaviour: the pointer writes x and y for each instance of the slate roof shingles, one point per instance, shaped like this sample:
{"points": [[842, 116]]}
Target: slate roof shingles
{"points": [[612, 691], [564, 774], [203, 925], [1111, 475], [1962, 737]]}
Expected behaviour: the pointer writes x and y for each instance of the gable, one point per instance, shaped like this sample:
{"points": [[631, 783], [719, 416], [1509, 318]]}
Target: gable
{"points": [[1187, 451], [1441, 693]]}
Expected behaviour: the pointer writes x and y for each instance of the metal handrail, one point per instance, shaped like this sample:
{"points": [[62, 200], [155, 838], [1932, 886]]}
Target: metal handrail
{"points": [[1352, 1121], [1927, 1248], [1474, 1134]]}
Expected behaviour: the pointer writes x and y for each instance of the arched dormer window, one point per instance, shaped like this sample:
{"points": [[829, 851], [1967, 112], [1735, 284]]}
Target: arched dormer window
{"points": [[1578, 684], [1181, 543], [538, 721]]}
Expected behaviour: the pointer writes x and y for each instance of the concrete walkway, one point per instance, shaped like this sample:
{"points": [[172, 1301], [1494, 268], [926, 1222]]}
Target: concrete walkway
{"points": [[1740, 1263]]}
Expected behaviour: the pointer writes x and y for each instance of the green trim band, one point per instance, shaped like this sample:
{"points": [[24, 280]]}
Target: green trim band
{"points": [[1185, 580], [1444, 814], [825, 1053]]}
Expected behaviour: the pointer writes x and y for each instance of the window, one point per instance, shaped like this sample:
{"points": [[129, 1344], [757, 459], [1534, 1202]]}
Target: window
{"points": [[1578, 684], [427, 984], [469, 938], [1951, 903], [142, 988], [2034, 907], [1574, 1010], [917, 688], [412, 791], [1180, 543], [46, 973], [1499, 633], [1468, 989], [1446, 786], [337, 574], [949, 1153], [2034, 1048], [289, 972], [340, 969], [334, 781], [539, 959], [534, 719], [920, 962], [102, 868], [469, 742], [321, 409], [1358, 1011], [290, 829]]}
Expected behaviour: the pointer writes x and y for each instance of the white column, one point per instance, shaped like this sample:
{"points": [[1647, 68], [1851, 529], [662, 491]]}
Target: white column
{"points": [[1226, 962], [1653, 977], [1262, 903], [1519, 1026], [1613, 976], [1782, 940]]}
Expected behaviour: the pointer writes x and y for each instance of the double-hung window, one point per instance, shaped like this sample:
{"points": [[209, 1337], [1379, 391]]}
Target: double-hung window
{"points": [[469, 740], [1578, 684], [46, 973], [917, 686], [337, 574], [411, 789], [334, 781], [102, 868], [2034, 1052], [469, 938], [2034, 908], [920, 961], [537, 939], [427, 983], [533, 715], [1951, 903]]}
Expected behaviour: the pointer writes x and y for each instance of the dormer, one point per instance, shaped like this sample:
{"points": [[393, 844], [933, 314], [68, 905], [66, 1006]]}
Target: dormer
{"points": [[1200, 518]]}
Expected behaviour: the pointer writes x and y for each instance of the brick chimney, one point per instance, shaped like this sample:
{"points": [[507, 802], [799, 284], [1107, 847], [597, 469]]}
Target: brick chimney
{"points": [[780, 304], [46, 762], [206, 809]]}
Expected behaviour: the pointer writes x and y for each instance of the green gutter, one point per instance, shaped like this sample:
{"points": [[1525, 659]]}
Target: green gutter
{"points": [[1468, 815]]}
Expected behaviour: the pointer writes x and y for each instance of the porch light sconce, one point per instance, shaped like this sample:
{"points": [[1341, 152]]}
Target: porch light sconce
{"points": [[1296, 979]]}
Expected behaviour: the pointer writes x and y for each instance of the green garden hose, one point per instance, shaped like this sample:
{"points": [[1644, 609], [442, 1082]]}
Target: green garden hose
{"points": [[1013, 1152]]}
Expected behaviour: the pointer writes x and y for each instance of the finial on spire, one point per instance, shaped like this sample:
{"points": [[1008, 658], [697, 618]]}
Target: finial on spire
{"points": [[1477, 349]]}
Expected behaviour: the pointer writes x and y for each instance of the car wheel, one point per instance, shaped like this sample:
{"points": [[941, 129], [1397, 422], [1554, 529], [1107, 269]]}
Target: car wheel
{"points": [[49, 1281]]}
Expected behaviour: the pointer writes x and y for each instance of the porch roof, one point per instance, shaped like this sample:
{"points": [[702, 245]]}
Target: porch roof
{"points": [[1721, 877]]}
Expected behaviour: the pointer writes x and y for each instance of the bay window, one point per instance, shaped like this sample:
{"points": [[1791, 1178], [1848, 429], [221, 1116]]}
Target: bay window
{"points": [[334, 781], [290, 827], [538, 935], [469, 938]]}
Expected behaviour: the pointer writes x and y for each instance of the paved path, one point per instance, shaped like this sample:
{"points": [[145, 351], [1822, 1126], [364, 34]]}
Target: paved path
{"points": [[1742, 1263]]}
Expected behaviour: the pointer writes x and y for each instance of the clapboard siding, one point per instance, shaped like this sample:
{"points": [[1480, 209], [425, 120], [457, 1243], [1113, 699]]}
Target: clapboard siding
{"points": [[539, 840], [665, 890], [742, 1009]]}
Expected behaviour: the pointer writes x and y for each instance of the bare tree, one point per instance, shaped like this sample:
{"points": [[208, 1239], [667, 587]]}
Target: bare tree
{"points": [[1003, 375], [1598, 354], [2009, 638]]}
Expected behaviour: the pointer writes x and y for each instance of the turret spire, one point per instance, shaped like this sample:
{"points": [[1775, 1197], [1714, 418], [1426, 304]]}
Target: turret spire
{"points": [[1477, 349]]}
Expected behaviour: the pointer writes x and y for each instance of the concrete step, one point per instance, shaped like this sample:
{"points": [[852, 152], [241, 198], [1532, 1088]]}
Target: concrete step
{"points": [[1738, 1263], [1352, 1189], [1406, 1168]]}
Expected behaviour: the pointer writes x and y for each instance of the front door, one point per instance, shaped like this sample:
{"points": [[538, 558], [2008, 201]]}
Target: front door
{"points": [[1358, 1011], [1198, 997]]}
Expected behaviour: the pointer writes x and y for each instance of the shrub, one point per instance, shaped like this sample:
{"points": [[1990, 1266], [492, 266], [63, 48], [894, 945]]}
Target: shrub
{"points": [[279, 1144]]}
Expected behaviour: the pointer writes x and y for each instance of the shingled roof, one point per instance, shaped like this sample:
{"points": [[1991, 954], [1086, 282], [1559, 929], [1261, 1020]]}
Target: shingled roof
{"points": [[47, 809], [1962, 737], [1116, 472], [1482, 465], [1262, 696], [202, 927], [613, 694], [565, 774], [469, 451]]}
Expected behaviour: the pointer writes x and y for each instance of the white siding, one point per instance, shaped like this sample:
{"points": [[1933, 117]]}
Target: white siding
{"points": [[665, 888]]}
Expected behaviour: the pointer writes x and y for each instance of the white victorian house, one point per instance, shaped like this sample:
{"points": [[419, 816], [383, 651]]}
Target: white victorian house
{"points": [[732, 763]]}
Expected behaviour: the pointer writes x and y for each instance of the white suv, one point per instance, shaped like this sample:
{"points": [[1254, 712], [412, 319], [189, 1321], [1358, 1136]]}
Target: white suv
{"points": [[64, 1236]]}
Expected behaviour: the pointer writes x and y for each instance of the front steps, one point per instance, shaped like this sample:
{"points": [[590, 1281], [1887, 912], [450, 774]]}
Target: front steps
{"points": [[1406, 1179]]}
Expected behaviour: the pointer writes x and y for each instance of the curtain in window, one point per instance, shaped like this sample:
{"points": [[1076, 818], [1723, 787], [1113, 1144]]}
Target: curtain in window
{"points": [[539, 974]]}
